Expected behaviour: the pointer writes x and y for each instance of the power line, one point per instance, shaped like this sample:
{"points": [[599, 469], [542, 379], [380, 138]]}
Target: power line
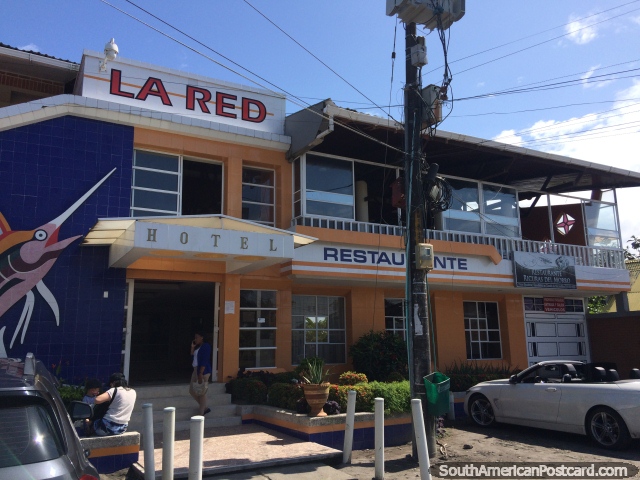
{"points": [[297, 101], [557, 85], [319, 60], [513, 112], [546, 41]]}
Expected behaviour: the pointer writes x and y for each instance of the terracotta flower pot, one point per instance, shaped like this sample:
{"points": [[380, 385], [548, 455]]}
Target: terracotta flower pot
{"points": [[316, 396]]}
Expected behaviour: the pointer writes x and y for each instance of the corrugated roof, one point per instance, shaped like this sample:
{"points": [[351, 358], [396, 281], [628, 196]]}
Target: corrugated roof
{"points": [[36, 53]]}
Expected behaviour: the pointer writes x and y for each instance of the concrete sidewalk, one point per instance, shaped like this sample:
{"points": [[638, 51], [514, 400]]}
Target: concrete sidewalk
{"points": [[247, 447]]}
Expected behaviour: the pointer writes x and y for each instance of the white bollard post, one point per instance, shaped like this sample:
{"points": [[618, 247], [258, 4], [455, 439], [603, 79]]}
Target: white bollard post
{"points": [[421, 439], [196, 439], [379, 434], [168, 442], [147, 440], [349, 426]]}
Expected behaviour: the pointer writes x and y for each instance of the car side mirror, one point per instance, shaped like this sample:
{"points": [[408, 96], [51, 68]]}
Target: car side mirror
{"points": [[513, 379], [79, 410]]}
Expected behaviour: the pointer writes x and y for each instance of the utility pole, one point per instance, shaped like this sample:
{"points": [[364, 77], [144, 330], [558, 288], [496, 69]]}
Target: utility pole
{"points": [[419, 339], [440, 15]]}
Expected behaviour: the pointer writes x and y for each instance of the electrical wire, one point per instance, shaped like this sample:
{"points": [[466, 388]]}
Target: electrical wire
{"points": [[290, 96], [533, 35], [542, 43], [319, 60]]}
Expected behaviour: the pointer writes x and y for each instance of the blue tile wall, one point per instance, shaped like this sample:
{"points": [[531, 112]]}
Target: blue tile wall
{"points": [[113, 463], [363, 438], [44, 168]]}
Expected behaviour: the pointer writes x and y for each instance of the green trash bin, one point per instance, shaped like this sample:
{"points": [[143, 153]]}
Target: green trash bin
{"points": [[437, 386]]}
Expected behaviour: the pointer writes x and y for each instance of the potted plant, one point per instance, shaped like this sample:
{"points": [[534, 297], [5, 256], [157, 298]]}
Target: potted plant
{"points": [[315, 386]]}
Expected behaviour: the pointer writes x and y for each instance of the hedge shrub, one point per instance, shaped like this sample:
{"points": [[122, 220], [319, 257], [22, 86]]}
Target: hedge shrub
{"points": [[250, 390], [379, 354], [285, 395], [465, 375], [352, 378]]}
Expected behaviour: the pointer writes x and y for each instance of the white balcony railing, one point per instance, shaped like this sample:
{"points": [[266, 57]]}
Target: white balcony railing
{"points": [[606, 257]]}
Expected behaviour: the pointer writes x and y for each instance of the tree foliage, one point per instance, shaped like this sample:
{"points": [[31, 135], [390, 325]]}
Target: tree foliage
{"points": [[631, 252]]}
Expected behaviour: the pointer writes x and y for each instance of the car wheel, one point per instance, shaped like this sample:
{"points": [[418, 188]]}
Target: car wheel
{"points": [[481, 411], [607, 429]]}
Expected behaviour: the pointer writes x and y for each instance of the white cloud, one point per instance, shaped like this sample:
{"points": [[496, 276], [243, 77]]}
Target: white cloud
{"points": [[610, 138], [588, 75], [579, 32], [30, 47], [636, 19], [509, 136]]}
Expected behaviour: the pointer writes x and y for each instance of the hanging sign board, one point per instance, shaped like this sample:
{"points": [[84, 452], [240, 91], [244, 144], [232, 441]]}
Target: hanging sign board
{"points": [[539, 270]]}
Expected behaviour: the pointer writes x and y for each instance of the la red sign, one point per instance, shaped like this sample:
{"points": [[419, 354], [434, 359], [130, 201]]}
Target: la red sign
{"points": [[252, 110]]}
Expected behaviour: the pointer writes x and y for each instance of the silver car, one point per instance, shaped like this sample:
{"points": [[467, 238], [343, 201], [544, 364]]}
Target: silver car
{"points": [[37, 436], [566, 396]]}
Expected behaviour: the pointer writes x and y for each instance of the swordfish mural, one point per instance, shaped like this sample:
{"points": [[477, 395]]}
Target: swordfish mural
{"points": [[26, 256]]}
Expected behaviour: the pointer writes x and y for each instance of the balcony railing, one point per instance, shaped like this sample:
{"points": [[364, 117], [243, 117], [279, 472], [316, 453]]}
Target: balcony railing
{"points": [[606, 257]]}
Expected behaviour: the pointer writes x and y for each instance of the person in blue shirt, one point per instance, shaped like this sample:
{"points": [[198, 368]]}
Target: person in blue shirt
{"points": [[92, 390], [201, 361]]}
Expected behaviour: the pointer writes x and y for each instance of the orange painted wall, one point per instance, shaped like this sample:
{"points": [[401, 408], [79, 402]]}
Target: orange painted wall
{"points": [[364, 312], [233, 157], [449, 327], [364, 304]]}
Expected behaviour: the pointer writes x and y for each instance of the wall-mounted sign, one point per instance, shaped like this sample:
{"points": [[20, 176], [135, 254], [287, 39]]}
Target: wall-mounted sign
{"points": [[539, 270], [155, 88], [564, 223], [554, 304]]}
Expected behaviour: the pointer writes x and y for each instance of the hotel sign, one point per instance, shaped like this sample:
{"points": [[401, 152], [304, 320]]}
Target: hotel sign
{"points": [[161, 236], [171, 91], [539, 270]]}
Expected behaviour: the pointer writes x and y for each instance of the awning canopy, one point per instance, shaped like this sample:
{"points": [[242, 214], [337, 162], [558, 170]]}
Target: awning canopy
{"points": [[244, 246], [327, 128]]}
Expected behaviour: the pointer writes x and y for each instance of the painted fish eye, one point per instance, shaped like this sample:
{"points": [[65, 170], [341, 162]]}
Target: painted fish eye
{"points": [[40, 235]]}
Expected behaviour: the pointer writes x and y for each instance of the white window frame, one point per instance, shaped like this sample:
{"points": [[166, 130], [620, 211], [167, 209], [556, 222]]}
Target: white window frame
{"points": [[484, 330], [326, 197], [402, 331], [179, 174], [304, 329], [259, 329], [273, 188]]}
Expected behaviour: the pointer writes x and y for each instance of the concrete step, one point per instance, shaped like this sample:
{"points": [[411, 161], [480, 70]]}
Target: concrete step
{"points": [[167, 391], [187, 413], [184, 425], [184, 401], [223, 412]]}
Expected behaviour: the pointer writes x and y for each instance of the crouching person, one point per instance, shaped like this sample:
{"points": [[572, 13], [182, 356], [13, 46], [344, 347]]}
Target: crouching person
{"points": [[121, 400]]}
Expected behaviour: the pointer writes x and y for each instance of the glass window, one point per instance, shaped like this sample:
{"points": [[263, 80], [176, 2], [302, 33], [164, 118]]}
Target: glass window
{"points": [[318, 328], [602, 224], [394, 316], [29, 434], [574, 305], [500, 211], [499, 201], [172, 185], [482, 330], [329, 187], [534, 304], [258, 330], [464, 214], [258, 195]]}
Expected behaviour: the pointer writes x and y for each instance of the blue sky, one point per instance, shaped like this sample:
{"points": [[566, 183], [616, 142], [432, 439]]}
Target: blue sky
{"points": [[576, 63]]}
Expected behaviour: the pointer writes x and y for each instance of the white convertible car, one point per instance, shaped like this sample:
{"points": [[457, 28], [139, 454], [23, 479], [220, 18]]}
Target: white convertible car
{"points": [[563, 395]]}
